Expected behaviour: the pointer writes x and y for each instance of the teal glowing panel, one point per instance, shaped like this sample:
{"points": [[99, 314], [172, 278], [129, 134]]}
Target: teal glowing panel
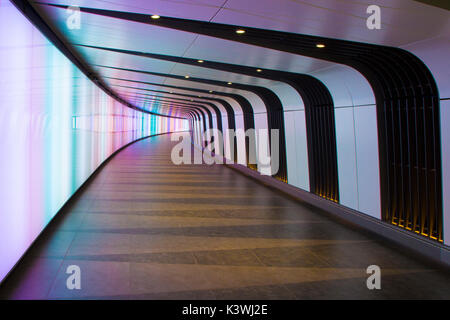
{"points": [[56, 128]]}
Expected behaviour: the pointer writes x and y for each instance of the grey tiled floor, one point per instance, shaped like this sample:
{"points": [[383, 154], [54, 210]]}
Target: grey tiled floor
{"points": [[147, 229]]}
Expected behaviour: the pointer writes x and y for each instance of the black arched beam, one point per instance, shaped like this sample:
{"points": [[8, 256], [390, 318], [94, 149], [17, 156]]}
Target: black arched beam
{"points": [[212, 105], [319, 110], [249, 121], [407, 115], [192, 97], [407, 102], [225, 104], [192, 108], [168, 103], [243, 102], [199, 109], [178, 101], [273, 105]]}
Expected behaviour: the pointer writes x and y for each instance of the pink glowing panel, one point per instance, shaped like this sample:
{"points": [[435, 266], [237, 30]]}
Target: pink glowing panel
{"points": [[56, 128]]}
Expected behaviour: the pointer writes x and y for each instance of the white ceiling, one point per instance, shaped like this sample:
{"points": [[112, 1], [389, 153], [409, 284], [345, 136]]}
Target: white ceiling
{"points": [[403, 22]]}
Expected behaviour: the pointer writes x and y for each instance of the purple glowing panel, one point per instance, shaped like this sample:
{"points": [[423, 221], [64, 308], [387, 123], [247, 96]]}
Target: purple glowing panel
{"points": [[56, 128]]}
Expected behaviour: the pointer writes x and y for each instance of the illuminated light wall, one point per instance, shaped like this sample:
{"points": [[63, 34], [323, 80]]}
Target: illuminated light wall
{"points": [[56, 128]]}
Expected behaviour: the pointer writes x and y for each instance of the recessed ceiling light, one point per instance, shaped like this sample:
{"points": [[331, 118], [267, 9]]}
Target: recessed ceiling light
{"points": [[230, 83], [320, 45], [210, 91], [258, 70], [240, 31], [187, 77], [200, 61], [155, 16]]}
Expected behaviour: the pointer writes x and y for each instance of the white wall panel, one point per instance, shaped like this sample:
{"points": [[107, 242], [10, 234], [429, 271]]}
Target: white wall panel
{"points": [[224, 129], [260, 124], [260, 120], [240, 138], [445, 151], [347, 86], [216, 142], [291, 145], [332, 78], [301, 148], [218, 105], [356, 138], [434, 53], [368, 170], [346, 156], [234, 104], [289, 97]]}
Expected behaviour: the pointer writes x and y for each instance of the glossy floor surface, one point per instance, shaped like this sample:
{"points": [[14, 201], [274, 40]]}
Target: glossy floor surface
{"points": [[144, 228]]}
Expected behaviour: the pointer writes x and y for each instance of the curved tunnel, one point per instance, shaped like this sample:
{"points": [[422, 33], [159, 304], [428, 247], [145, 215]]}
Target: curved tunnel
{"points": [[351, 123]]}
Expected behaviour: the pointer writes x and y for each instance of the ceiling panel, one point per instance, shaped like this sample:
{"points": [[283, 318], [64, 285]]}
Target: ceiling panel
{"points": [[209, 48], [205, 73], [188, 9], [104, 31], [114, 59], [403, 21]]}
